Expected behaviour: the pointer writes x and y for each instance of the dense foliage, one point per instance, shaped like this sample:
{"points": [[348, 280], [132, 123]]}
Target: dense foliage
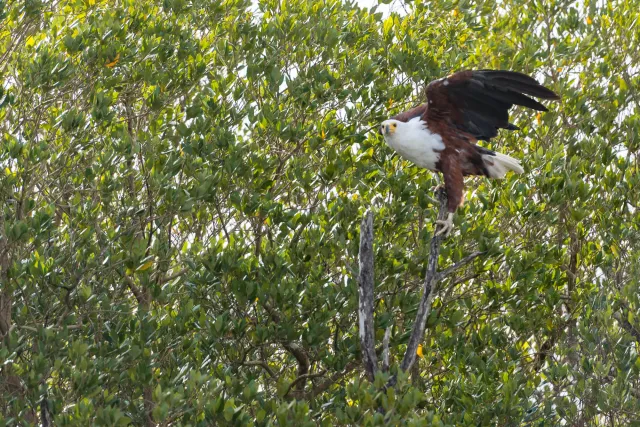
{"points": [[182, 185]]}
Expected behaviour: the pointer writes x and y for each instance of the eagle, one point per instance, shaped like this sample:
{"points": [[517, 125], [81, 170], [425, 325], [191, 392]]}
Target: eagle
{"points": [[461, 109]]}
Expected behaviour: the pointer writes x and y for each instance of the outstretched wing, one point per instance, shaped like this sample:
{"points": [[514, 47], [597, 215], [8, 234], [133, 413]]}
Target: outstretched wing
{"points": [[478, 102]]}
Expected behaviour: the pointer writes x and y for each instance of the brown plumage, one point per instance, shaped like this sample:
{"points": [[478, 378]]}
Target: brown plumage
{"points": [[460, 110]]}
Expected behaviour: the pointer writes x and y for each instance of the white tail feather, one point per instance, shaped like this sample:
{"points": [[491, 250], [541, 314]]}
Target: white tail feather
{"points": [[500, 164]]}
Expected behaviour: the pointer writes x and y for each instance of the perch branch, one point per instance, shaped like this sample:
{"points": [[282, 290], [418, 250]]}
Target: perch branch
{"points": [[428, 291], [365, 296], [429, 288]]}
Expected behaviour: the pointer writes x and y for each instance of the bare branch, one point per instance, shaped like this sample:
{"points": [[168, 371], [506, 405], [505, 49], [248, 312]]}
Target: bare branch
{"points": [[272, 313], [173, 276], [366, 288], [264, 365], [324, 386], [45, 415], [385, 349], [464, 261], [627, 326], [365, 296], [147, 396], [428, 293], [464, 279], [134, 289], [304, 378], [303, 360], [545, 350], [6, 298]]}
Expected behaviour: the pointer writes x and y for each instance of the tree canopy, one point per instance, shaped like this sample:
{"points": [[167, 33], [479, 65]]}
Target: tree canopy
{"points": [[182, 186]]}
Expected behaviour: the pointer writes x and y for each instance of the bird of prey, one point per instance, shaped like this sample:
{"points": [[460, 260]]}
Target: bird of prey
{"points": [[461, 109]]}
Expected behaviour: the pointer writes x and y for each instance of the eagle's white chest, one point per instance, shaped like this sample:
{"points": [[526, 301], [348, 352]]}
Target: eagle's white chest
{"points": [[416, 143]]}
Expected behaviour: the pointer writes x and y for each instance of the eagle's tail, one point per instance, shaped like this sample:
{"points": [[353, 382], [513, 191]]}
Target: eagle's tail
{"points": [[498, 164]]}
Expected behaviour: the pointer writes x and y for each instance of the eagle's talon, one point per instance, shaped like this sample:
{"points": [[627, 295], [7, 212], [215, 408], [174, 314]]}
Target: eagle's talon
{"points": [[447, 225]]}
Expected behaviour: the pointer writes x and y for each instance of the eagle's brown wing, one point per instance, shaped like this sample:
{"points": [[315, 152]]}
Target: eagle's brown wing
{"points": [[478, 102], [410, 114]]}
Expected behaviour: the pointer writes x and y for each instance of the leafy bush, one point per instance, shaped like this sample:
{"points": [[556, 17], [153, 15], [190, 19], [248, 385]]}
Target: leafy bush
{"points": [[182, 185]]}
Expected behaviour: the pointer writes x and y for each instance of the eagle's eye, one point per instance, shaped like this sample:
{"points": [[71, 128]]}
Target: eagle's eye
{"points": [[394, 125]]}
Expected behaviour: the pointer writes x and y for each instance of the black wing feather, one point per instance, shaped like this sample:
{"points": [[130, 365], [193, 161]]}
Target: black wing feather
{"points": [[515, 79], [537, 91], [478, 102], [515, 98]]}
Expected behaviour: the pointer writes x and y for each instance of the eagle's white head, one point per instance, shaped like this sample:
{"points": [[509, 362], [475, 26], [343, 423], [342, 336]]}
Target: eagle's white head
{"points": [[413, 141], [396, 132], [390, 127]]}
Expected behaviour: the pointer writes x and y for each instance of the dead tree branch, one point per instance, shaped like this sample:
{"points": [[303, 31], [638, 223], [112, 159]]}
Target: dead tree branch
{"points": [[385, 349], [428, 293], [365, 294]]}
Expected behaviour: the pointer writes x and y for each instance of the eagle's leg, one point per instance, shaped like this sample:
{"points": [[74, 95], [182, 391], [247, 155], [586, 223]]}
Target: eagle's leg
{"points": [[453, 185]]}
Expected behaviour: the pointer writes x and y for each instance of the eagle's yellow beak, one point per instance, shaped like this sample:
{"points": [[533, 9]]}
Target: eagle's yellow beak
{"points": [[387, 128]]}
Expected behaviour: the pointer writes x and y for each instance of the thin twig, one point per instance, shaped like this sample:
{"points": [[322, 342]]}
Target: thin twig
{"points": [[51, 328], [173, 276], [262, 364], [464, 261]]}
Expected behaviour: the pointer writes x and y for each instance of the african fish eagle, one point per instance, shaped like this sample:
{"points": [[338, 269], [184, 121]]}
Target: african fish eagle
{"points": [[461, 109]]}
